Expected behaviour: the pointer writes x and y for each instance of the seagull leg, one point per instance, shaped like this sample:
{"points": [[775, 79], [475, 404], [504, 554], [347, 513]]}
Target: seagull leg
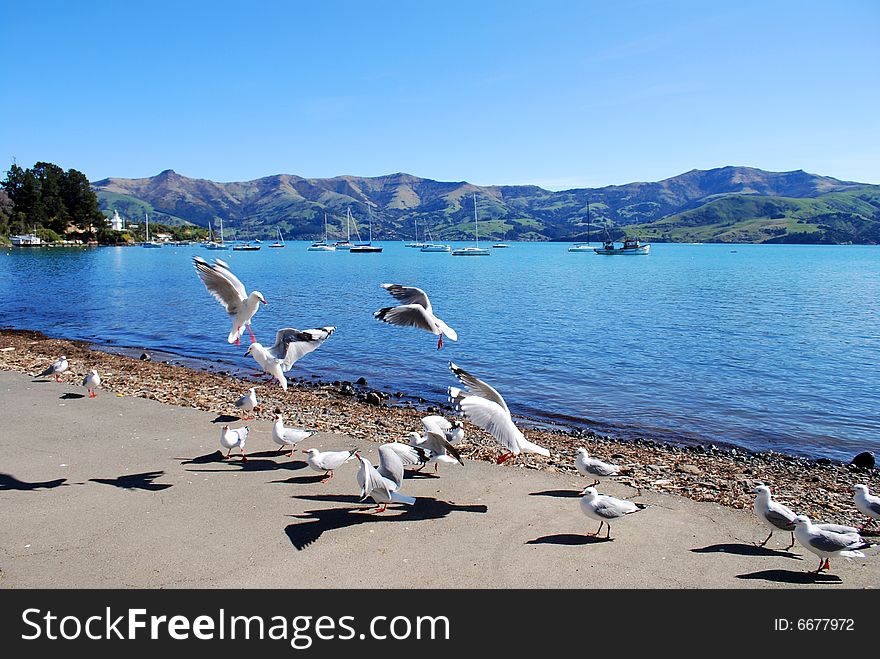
{"points": [[593, 535], [327, 476], [440, 342], [608, 531], [243, 457], [827, 565], [766, 540], [251, 332], [595, 483], [503, 458], [792, 542], [238, 342], [227, 454]]}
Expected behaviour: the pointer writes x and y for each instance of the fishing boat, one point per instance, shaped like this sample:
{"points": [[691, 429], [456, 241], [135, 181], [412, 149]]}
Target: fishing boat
{"points": [[152, 244], [346, 244], [246, 247], [321, 245], [631, 246], [216, 244], [367, 247], [476, 250], [280, 241], [502, 244]]}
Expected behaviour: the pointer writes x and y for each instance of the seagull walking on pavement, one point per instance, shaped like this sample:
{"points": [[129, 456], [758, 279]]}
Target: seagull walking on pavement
{"points": [[327, 461], [287, 438], [231, 438], [826, 544], [776, 516], [231, 293], [605, 508], [414, 310], [867, 504], [248, 402], [485, 408], [290, 345], [92, 381], [588, 466], [56, 369]]}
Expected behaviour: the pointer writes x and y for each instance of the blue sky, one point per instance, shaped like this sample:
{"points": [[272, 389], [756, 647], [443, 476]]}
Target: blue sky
{"points": [[553, 93]]}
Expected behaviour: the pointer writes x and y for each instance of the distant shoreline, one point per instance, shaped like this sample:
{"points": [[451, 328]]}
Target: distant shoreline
{"points": [[722, 476]]}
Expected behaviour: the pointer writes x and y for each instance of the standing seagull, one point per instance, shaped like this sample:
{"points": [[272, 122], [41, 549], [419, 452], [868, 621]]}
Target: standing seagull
{"points": [[414, 311], [382, 485], [777, 516], [826, 544], [290, 345], [56, 369], [287, 438], [230, 439], [605, 508], [92, 381], [486, 408], [248, 402], [230, 292], [327, 461], [588, 466], [867, 504]]}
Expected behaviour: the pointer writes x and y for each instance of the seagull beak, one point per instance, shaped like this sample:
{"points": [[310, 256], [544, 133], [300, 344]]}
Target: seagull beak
{"points": [[264, 301]]}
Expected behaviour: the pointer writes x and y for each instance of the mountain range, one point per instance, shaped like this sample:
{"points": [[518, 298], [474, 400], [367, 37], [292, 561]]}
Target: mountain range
{"points": [[727, 204]]}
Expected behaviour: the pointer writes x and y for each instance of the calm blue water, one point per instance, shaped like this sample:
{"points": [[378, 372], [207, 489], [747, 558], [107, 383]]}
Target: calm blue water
{"points": [[761, 346]]}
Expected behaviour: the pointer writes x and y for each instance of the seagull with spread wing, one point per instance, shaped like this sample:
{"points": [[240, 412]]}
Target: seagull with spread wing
{"points": [[434, 448], [230, 292], [382, 485], [485, 407], [414, 310], [290, 345]]}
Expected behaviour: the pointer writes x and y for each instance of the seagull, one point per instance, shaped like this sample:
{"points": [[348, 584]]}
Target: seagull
{"points": [[327, 461], [290, 345], [826, 544], [92, 380], [452, 430], [287, 437], [382, 485], [486, 408], [56, 369], [867, 504], [414, 311], [588, 466], [777, 516], [248, 402], [230, 292], [605, 508], [435, 448], [236, 437]]}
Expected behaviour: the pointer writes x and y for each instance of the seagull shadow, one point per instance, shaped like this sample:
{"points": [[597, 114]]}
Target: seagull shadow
{"points": [[251, 464], [226, 418], [143, 481], [70, 396], [568, 539], [215, 456], [10, 482], [416, 475], [740, 549], [301, 480], [43, 380], [788, 576], [562, 494], [317, 522]]}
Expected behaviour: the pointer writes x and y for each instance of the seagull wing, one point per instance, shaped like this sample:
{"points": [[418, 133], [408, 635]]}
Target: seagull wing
{"points": [[371, 480], [437, 444], [409, 295], [390, 465], [292, 344], [611, 508], [221, 283], [408, 454], [492, 418], [477, 386], [409, 315], [830, 541], [436, 424], [780, 516]]}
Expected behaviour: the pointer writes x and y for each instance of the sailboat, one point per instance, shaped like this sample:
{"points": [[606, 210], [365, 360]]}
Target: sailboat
{"points": [[581, 247], [280, 241], [416, 243], [150, 243], [321, 245], [218, 244], [502, 244], [367, 247], [476, 250], [431, 246], [346, 244], [245, 246]]}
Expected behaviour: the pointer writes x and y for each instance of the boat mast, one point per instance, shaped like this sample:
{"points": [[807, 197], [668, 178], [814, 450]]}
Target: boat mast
{"points": [[147, 220], [588, 222], [476, 225]]}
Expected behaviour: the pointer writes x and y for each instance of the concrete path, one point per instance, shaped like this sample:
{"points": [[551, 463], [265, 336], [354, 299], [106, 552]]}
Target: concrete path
{"points": [[127, 492]]}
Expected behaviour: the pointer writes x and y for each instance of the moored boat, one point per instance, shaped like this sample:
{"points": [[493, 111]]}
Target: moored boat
{"points": [[631, 246]]}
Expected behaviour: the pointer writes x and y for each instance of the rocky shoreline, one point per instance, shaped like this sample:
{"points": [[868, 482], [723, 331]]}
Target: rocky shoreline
{"points": [[819, 488]]}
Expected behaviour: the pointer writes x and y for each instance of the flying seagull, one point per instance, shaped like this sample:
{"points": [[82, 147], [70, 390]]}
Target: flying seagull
{"points": [[230, 292], [605, 508], [56, 369], [486, 408], [290, 345], [435, 448], [414, 310]]}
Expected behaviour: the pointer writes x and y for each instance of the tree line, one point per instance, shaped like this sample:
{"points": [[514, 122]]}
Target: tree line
{"points": [[46, 198]]}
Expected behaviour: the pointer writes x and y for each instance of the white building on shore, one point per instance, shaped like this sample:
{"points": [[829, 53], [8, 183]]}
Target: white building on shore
{"points": [[116, 222]]}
